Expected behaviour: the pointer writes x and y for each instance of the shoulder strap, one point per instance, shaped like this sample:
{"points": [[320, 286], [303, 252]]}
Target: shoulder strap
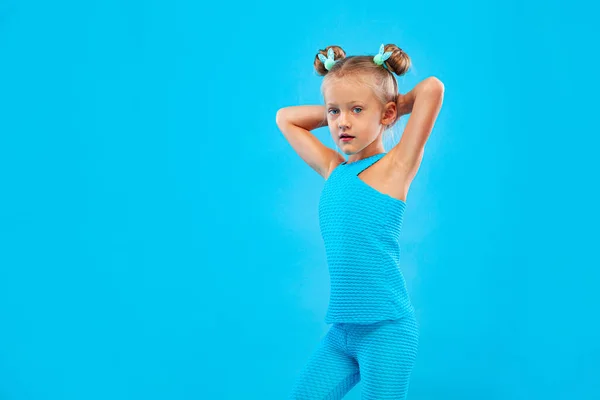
{"points": [[361, 165]]}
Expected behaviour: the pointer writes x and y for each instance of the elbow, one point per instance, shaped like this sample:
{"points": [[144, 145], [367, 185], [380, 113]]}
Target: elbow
{"points": [[280, 116], [435, 85]]}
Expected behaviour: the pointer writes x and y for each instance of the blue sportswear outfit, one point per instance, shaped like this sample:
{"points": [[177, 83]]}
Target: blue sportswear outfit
{"points": [[374, 334]]}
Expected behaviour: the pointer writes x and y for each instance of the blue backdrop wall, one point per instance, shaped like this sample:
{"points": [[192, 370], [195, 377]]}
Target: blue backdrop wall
{"points": [[160, 239]]}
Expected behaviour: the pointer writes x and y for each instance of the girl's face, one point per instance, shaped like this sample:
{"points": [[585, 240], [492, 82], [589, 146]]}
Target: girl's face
{"points": [[353, 110]]}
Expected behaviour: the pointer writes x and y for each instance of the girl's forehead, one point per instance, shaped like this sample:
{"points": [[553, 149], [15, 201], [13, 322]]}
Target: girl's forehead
{"points": [[341, 92]]}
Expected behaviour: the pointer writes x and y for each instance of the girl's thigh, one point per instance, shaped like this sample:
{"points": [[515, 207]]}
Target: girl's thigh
{"points": [[386, 354], [330, 372]]}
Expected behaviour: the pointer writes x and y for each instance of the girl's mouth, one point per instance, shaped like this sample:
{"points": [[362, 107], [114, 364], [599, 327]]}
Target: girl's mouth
{"points": [[346, 138]]}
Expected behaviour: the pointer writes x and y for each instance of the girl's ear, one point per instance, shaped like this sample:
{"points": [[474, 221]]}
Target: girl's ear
{"points": [[389, 113]]}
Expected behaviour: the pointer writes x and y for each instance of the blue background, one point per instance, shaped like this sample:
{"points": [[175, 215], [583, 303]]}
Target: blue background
{"points": [[159, 236]]}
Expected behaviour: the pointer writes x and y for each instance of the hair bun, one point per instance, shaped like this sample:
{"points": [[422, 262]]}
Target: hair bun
{"points": [[399, 61], [338, 54]]}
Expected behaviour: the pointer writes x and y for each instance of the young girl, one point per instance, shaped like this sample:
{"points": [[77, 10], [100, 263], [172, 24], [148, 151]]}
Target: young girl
{"points": [[374, 334]]}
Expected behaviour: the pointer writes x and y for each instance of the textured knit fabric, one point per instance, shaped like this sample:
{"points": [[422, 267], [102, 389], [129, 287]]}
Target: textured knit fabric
{"points": [[380, 355], [360, 227]]}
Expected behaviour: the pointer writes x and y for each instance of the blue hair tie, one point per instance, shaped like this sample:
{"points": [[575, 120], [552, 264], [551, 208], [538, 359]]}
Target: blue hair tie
{"points": [[381, 57], [329, 61]]}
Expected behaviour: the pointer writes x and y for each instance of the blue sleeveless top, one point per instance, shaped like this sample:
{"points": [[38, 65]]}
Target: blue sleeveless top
{"points": [[360, 227]]}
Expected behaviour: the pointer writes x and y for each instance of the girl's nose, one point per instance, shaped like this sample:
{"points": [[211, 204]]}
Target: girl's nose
{"points": [[342, 123]]}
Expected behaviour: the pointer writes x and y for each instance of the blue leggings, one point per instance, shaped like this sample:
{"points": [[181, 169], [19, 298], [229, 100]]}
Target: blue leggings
{"points": [[381, 355]]}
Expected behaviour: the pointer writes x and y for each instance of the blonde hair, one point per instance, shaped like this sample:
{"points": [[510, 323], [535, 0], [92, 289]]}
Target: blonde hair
{"points": [[363, 71]]}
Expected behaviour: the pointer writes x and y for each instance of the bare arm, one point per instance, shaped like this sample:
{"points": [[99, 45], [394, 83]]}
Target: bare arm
{"points": [[307, 117], [295, 123], [423, 102]]}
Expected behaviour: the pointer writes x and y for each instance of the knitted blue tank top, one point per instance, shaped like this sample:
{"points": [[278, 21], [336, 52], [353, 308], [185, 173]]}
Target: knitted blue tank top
{"points": [[360, 227]]}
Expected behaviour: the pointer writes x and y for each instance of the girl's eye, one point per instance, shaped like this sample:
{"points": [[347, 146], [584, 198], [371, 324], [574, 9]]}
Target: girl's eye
{"points": [[355, 108]]}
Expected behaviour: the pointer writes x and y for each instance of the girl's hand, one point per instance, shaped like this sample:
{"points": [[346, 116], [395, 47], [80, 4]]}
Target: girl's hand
{"points": [[404, 104]]}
